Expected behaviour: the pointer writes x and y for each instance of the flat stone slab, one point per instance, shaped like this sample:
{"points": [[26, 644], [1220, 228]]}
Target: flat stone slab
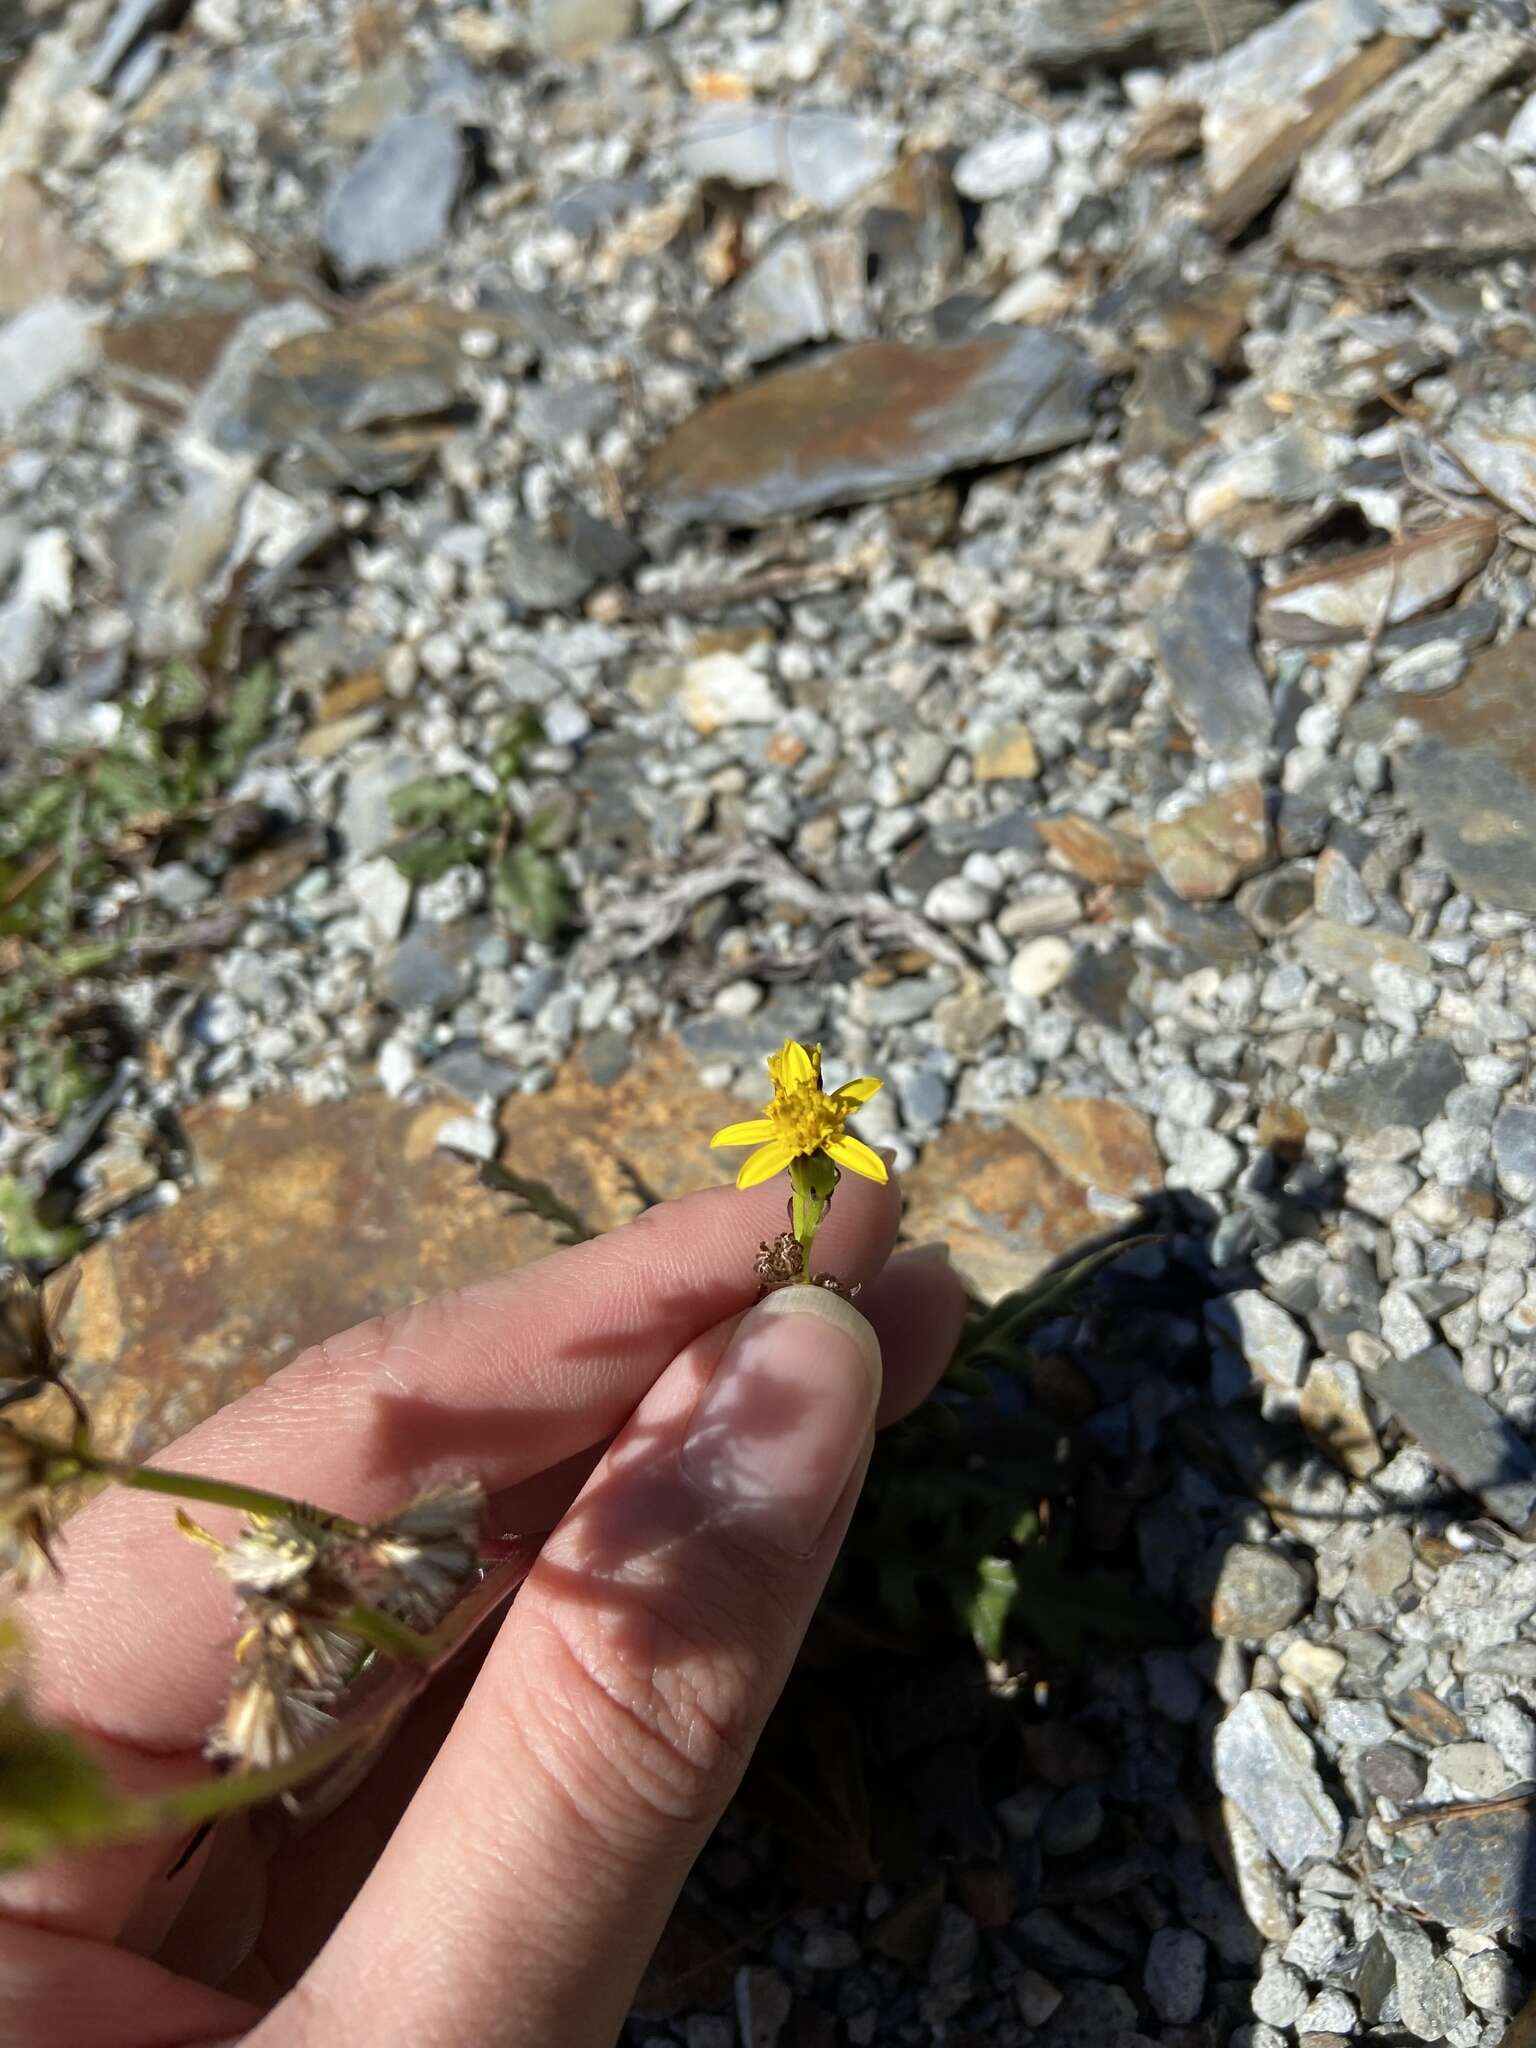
{"points": [[870, 421]]}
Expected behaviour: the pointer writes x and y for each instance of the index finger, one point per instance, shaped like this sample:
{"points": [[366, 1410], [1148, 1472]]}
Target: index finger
{"points": [[501, 1380]]}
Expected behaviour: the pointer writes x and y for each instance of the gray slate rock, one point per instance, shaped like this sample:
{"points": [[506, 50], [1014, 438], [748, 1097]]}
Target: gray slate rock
{"points": [[1466, 1438], [869, 421], [1174, 1974], [428, 970], [1265, 1766], [1469, 775], [1478, 1873], [1205, 641], [1514, 1149], [1408, 1089], [392, 207]]}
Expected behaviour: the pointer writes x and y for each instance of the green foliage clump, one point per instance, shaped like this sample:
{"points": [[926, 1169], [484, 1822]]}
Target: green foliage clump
{"points": [[451, 821]]}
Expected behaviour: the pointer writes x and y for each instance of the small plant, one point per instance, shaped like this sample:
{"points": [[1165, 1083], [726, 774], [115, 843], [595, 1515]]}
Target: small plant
{"points": [[453, 821]]}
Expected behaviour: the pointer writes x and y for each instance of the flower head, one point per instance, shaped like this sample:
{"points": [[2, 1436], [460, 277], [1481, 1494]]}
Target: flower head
{"points": [[802, 1119], [418, 1563]]}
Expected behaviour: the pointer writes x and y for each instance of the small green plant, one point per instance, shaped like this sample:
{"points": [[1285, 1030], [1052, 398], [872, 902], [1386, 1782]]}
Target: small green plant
{"points": [[452, 821]]}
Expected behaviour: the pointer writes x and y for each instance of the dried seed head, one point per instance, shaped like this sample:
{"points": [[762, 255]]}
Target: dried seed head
{"points": [[28, 1345], [266, 1722], [26, 1537], [273, 1553], [416, 1563], [317, 1657]]}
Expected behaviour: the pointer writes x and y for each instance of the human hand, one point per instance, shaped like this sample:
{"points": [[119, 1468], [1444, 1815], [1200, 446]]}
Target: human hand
{"points": [[503, 1876]]}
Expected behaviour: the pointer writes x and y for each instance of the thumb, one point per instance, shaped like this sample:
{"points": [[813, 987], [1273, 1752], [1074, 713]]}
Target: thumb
{"points": [[523, 1893]]}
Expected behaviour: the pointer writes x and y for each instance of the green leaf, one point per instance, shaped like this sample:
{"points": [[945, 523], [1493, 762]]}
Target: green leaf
{"points": [[517, 734], [53, 1793], [538, 1198], [431, 854], [996, 1336], [989, 1607], [246, 718], [441, 800], [530, 890], [180, 696], [23, 1233]]}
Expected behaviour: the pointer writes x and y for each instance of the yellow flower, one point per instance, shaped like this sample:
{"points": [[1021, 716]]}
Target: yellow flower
{"points": [[801, 1120]]}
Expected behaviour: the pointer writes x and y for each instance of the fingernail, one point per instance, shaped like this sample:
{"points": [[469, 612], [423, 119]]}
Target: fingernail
{"points": [[935, 1251], [785, 1419]]}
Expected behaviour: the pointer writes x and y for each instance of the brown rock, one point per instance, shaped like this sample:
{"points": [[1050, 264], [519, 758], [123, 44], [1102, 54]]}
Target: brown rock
{"points": [[1004, 1211], [39, 258], [1206, 851], [1099, 853], [1334, 1414], [1008, 754], [304, 1220], [1095, 1141], [871, 421]]}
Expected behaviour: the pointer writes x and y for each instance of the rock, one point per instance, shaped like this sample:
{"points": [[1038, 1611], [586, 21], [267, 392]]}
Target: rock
{"points": [[39, 258], [820, 155], [39, 601], [1408, 1089], [804, 287], [1269, 1340], [1474, 1770], [1265, 1766], [1392, 1772], [1355, 956], [1467, 772], [303, 1220], [1004, 1210], [1280, 1997], [573, 30], [1339, 891], [763, 2004], [868, 422], [1360, 594], [1173, 1975], [1475, 1872], [1491, 1981], [1096, 1141], [1333, 1411], [1009, 161], [1039, 966], [1260, 1886], [1259, 1592], [1164, 406], [1466, 1438], [1208, 849], [1035, 1996], [1216, 935], [1066, 35], [1007, 754], [1266, 101], [428, 970], [1428, 1993], [1512, 1731], [392, 207], [1497, 449], [1098, 852], [383, 895], [1072, 1822], [42, 350], [1205, 643], [1089, 2016], [146, 212], [1449, 219]]}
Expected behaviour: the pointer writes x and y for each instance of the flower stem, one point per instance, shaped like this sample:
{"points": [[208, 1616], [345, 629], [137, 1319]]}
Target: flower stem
{"points": [[77, 1460], [812, 1179]]}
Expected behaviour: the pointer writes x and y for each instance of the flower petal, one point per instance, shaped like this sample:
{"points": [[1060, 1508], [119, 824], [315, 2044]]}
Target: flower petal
{"points": [[856, 1156], [793, 1066], [765, 1162], [855, 1092], [755, 1131]]}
